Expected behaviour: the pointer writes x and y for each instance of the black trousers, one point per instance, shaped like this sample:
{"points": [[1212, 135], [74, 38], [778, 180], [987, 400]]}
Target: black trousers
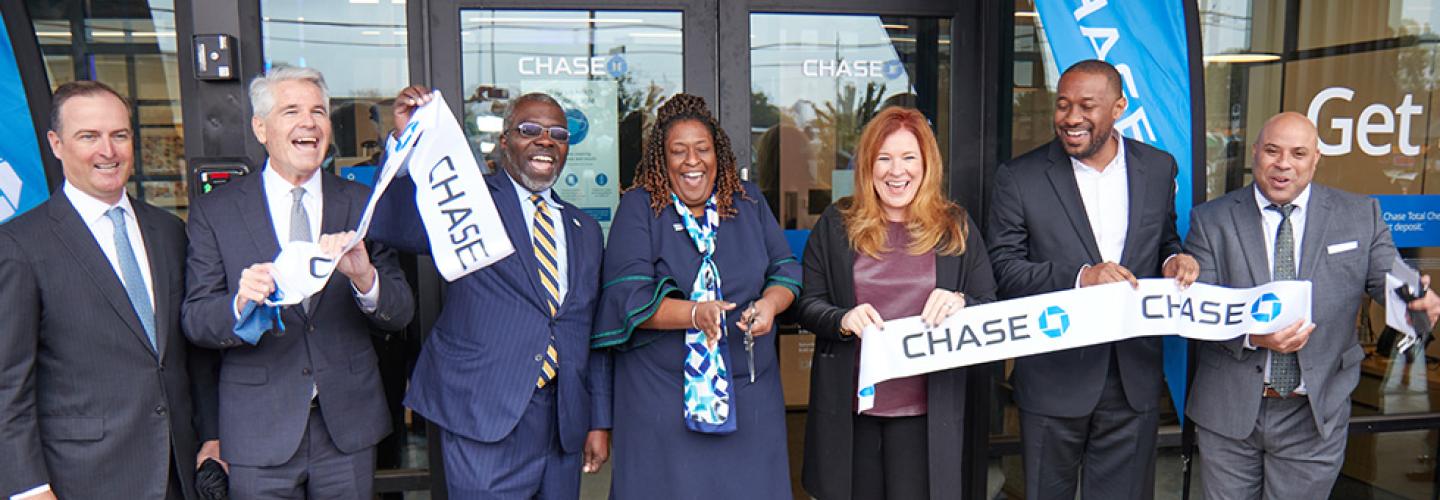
{"points": [[890, 458]]}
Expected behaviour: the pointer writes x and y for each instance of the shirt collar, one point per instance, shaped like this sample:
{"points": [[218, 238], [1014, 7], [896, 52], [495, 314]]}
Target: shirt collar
{"points": [[91, 208], [1300, 202], [1116, 164], [278, 188], [524, 193]]}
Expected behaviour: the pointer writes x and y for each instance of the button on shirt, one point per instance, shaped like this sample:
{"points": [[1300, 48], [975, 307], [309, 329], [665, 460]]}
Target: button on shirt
{"points": [[93, 212], [528, 208], [1106, 195], [1271, 220]]}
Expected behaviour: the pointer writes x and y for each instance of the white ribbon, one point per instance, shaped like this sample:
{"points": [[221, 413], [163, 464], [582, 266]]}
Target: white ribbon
{"points": [[461, 222], [1074, 318]]}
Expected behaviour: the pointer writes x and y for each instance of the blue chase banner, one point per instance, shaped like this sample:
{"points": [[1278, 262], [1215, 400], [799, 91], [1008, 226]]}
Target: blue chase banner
{"points": [[22, 175], [1149, 43]]}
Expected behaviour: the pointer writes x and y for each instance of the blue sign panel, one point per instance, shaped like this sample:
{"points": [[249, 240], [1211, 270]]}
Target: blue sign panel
{"points": [[1414, 219], [22, 176]]}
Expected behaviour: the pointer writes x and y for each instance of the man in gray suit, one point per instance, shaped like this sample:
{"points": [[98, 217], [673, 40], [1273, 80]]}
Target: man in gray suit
{"points": [[100, 394], [1271, 410], [302, 408], [1089, 208]]}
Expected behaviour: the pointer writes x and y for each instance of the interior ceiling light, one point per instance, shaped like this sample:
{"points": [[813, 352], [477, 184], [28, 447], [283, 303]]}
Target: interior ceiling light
{"points": [[1242, 58]]}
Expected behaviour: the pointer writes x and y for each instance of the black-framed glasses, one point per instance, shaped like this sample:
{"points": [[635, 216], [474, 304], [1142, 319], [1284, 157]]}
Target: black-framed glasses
{"points": [[532, 129]]}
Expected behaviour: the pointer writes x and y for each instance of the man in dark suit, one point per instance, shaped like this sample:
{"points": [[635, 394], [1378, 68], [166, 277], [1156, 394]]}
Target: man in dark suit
{"points": [[101, 396], [507, 372], [302, 408], [1089, 208], [1271, 411]]}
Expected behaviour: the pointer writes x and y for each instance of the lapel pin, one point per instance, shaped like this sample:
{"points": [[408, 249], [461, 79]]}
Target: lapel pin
{"points": [[576, 222], [679, 227]]}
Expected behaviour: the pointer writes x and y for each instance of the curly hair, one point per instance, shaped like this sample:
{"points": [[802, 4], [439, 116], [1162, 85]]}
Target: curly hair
{"points": [[651, 172]]}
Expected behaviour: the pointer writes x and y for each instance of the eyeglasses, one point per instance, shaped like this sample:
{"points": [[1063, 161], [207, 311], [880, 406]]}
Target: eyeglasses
{"points": [[531, 129]]}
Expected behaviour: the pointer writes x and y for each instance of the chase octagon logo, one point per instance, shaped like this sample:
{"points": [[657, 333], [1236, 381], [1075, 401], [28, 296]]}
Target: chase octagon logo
{"points": [[1266, 308], [1054, 321]]}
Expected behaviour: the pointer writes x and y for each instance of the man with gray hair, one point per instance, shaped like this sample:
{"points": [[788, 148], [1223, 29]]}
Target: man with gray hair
{"points": [[301, 405]]}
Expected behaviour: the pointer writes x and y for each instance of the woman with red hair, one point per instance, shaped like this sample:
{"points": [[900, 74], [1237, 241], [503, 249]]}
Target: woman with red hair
{"points": [[894, 249]]}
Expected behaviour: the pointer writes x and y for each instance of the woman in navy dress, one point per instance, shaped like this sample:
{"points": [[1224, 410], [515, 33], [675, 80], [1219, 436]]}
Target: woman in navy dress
{"points": [[694, 416]]}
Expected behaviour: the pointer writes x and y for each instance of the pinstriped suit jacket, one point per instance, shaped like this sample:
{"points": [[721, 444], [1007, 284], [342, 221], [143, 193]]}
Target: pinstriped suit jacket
{"points": [[86, 404], [478, 367]]}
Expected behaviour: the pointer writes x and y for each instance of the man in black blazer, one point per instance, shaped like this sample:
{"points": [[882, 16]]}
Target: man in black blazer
{"points": [[300, 409], [100, 394], [1089, 208]]}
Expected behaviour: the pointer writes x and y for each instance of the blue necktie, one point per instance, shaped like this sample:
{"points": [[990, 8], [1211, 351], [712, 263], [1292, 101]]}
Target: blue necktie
{"points": [[131, 275]]}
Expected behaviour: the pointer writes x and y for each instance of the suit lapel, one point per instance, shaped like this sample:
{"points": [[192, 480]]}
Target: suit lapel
{"points": [[160, 267], [1316, 222], [508, 204], [1246, 217], [334, 218], [255, 211], [1134, 184], [1062, 177], [572, 255], [77, 238]]}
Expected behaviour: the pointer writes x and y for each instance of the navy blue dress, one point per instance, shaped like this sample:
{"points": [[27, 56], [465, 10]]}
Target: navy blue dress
{"points": [[650, 257]]}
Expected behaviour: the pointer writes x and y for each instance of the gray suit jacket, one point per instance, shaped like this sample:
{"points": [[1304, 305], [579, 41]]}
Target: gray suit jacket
{"points": [[1039, 238], [1226, 237], [265, 388], [86, 404]]}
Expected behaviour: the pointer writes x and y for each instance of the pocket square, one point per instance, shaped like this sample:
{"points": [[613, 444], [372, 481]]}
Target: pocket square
{"points": [[1342, 247]]}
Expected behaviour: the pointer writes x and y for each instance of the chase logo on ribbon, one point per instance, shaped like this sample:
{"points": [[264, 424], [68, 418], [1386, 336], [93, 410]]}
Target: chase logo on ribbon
{"points": [[1266, 308], [22, 175], [1054, 322]]}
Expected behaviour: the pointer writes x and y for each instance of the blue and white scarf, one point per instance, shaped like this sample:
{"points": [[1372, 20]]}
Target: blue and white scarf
{"points": [[707, 381]]}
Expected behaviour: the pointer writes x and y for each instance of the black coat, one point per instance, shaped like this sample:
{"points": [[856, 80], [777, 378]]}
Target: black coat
{"points": [[828, 294]]}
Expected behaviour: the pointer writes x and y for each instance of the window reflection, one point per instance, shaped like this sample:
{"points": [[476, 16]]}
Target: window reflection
{"points": [[130, 47], [361, 49], [610, 70], [816, 80]]}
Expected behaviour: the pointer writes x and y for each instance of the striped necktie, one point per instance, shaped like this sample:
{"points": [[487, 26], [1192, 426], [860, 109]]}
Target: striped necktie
{"points": [[543, 239]]}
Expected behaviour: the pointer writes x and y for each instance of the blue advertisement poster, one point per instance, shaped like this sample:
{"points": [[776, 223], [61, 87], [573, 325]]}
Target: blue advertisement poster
{"points": [[1148, 44], [22, 175]]}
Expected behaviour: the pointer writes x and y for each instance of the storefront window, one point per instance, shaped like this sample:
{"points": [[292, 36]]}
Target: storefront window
{"points": [[816, 80], [609, 69], [360, 47], [130, 47]]}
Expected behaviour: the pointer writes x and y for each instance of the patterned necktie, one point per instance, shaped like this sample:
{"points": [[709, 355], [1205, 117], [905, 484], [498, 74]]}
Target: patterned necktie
{"points": [[300, 229], [544, 242], [1284, 367], [130, 273]]}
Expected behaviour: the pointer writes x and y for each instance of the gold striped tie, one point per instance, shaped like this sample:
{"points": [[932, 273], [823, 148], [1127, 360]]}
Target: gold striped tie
{"points": [[544, 242]]}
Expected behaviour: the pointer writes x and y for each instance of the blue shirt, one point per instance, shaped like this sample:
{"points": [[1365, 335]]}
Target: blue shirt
{"points": [[526, 207]]}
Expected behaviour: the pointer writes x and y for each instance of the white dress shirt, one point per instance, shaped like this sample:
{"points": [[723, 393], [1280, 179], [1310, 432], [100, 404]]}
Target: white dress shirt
{"points": [[1106, 195], [279, 200], [93, 212], [562, 272], [1271, 220]]}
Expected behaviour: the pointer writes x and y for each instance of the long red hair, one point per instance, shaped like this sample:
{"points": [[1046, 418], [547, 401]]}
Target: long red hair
{"points": [[933, 221]]}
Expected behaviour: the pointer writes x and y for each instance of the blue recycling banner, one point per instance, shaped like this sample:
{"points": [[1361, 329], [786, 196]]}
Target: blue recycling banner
{"points": [[22, 175], [1148, 44]]}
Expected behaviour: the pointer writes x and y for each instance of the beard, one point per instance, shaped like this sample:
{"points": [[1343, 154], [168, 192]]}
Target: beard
{"points": [[1097, 141], [531, 181]]}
